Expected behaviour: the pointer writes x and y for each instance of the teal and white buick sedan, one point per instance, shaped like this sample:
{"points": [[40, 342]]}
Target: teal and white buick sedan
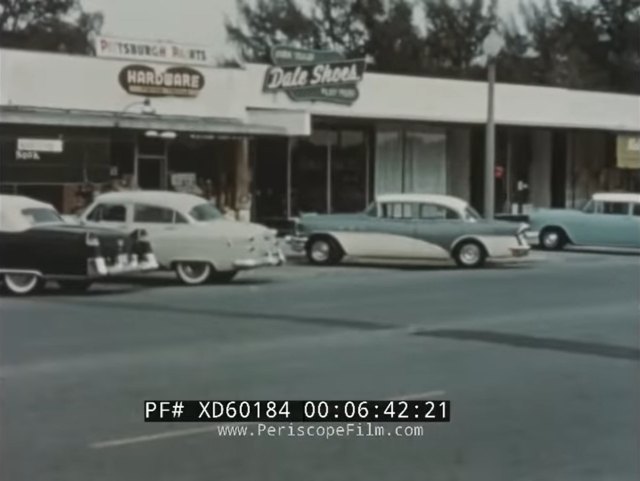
{"points": [[409, 226], [607, 220]]}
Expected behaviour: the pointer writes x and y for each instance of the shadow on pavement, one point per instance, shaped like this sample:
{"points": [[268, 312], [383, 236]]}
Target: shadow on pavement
{"points": [[534, 342], [593, 251], [157, 281]]}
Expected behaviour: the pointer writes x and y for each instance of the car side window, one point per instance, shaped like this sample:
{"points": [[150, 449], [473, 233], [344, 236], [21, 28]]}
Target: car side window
{"points": [[180, 219], [616, 208], [636, 210], [396, 210], [436, 212], [153, 215], [108, 213]]}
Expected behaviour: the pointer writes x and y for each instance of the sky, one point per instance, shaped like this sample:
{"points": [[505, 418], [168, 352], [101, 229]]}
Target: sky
{"points": [[184, 21]]}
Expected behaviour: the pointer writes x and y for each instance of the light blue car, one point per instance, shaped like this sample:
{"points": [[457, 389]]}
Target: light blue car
{"points": [[607, 220]]}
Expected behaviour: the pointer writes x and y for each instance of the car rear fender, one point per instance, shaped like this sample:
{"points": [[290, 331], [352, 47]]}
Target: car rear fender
{"points": [[486, 241]]}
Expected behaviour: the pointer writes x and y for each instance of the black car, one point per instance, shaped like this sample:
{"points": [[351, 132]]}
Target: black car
{"points": [[37, 245]]}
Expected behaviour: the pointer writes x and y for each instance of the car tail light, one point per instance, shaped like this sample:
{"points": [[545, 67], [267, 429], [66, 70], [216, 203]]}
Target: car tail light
{"points": [[92, 240]]}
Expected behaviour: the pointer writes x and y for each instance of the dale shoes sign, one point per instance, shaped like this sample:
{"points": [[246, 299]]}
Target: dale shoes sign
{"points": [[308, 75]]}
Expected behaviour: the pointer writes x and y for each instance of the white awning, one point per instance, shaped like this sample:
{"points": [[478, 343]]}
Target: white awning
{"points": [[282, 123]]}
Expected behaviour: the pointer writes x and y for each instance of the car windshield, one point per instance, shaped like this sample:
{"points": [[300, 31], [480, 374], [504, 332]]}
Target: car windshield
{"points": [[471, 214], [205, 212], [40, 215], [589, 207], [371, 210]]}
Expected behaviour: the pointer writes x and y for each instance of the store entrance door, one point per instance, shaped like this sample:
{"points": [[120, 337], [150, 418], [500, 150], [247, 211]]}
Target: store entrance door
{"points": [[150, 173], [151, 163]]}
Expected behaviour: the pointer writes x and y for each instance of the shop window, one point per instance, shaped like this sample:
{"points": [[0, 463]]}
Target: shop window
{"points": [[309, 173], [349, 172], [151, 214], [410, 161], [270, 178]]}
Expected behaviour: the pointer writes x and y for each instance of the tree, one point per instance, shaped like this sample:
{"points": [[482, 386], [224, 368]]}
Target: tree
{"points": [[378, 29], [50, 25], [618, 27], [576, 45], [269, 23], [567, 43], [454, 35]]}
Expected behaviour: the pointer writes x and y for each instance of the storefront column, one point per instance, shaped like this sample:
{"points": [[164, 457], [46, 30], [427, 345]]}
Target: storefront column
{"points": [[242, 180], [459, 163], [540, 169]]}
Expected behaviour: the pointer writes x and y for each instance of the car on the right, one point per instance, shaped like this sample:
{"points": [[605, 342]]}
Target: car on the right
{"points": [[610, 219]]}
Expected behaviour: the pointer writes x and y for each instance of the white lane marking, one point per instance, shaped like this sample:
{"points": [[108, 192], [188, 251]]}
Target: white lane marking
{"points": [[418, 396], [179, 433], [162, 435]]}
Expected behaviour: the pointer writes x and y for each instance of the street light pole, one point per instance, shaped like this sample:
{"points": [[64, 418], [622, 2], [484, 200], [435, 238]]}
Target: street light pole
{"points": [[490, 140]]}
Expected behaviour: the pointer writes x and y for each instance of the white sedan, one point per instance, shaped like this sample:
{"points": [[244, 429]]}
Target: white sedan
{"points": [[188, 234]]}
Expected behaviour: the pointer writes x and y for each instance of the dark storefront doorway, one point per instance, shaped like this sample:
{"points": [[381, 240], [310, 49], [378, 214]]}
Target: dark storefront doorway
{"points": [[328, 172]]}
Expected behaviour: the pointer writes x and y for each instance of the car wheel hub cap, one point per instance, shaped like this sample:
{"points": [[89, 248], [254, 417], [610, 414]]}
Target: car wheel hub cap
{"points": [[194, 270], [551, 239], [470, 254], [320, 251]]}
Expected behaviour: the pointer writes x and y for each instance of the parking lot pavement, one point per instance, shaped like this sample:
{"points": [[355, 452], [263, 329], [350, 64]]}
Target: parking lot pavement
{"points": [[540, 361]]}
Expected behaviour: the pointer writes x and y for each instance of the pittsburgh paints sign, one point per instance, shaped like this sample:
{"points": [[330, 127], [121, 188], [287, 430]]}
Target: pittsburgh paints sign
{"points": [[174, 81], [314, 75], [143, 50]]}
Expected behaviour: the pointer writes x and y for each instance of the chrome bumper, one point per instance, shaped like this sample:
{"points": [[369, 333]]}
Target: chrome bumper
{"points": [[97, 267], [297, 243], [532, 237], [276, 258], [520, 251]]}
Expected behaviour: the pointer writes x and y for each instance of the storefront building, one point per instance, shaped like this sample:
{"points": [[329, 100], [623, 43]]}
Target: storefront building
{"points": [[265, 142]]}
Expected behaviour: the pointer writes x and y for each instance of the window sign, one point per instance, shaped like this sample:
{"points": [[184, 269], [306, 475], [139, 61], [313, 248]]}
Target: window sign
{"points": [[628, 152], [30, 149]]}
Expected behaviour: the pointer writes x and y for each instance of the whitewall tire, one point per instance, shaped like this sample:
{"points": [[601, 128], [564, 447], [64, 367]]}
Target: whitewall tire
{"points": [[193, 273], [469, 254], [552, 238], [22, 284], [323, 250]]}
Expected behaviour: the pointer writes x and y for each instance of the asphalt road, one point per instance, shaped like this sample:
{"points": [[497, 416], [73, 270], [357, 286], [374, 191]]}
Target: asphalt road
{"points": [[541, 362]]}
